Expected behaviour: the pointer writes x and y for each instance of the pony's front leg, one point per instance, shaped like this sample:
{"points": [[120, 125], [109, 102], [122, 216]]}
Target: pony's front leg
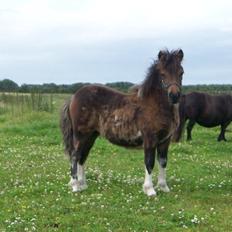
{"points": [[223, 130], [149, 161], [162, 156]]}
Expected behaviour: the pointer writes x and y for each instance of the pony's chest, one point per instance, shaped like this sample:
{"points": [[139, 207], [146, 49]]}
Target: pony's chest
{"points": [[169, 127]]}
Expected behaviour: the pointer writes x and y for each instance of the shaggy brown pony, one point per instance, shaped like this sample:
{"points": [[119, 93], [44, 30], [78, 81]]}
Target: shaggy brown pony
{"points": [[148, 118], [206, 110]]}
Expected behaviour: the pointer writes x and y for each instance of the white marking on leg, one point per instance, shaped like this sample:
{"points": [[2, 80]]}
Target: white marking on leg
{"points": [[139, 134], [78, 184], [73, 184], [162, 183], [81, 179], [148, 185]]}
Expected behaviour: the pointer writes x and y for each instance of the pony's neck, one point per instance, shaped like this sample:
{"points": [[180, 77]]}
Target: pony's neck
{"points": [[152, 83], [158, 98]]}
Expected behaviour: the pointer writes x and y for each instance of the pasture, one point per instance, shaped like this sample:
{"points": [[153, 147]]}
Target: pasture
{"points": [[34, 173]]}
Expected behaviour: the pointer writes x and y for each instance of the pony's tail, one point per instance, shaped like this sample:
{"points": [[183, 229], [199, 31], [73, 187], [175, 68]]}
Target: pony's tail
{"points": [[179, 131], [66, 129]]}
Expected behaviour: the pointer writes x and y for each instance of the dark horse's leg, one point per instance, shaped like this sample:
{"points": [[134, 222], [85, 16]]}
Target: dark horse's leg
{"points": [[162, 156], [179, 131], [79, 156], [223, 130], [149, 160], [190, 126]]}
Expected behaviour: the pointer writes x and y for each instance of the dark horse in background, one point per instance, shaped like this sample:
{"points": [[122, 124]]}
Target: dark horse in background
{"points": [[146, 118], [206, 110]]}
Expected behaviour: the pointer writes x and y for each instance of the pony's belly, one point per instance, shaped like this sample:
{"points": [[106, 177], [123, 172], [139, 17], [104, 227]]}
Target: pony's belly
{"points": [[124, 137], [126, 142], [207, 123]]}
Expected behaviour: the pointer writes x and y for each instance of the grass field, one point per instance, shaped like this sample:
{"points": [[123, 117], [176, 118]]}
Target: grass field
{"points": [[34, 173]]}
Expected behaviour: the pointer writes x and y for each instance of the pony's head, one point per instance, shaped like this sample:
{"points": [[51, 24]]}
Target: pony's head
{"points": [[166, 74], [170, 72]]}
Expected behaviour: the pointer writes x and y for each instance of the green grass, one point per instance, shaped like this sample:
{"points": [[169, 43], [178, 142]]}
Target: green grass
{"points": [[34, 173]]}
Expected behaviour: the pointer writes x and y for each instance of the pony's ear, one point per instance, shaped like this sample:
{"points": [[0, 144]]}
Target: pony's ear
{"points": [[180, 54], [161, 55]]}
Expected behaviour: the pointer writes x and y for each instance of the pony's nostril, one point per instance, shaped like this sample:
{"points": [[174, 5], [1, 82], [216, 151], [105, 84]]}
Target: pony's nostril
{"points": [[174, 97]]}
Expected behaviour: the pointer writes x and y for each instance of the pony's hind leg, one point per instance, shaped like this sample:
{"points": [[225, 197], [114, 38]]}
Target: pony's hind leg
{"points": [[78, 179], [89, 142], [162, 152], [81, 179], [74, 160]]}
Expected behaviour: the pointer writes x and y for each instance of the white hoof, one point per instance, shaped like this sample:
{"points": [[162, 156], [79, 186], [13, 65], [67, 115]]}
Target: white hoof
{"points": [[163, 187], [73, 184], [81, 187], [150, 191], [77, 186]]}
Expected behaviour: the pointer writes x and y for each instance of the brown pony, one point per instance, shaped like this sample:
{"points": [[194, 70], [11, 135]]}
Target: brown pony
{"points": [[148, 118], [206, 110]]}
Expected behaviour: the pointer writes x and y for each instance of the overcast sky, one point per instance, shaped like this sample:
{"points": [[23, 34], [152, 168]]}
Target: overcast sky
{"points": [[44, 41]]}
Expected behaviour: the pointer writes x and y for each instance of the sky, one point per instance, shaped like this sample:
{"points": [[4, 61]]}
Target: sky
{"points": [[100, 41]]}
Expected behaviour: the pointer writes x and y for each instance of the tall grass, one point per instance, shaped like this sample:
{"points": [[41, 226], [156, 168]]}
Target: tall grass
{"points": [[20, 103]]}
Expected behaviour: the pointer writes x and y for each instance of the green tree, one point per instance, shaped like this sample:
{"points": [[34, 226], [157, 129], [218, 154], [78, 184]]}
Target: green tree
{"points": [[8, 85]]}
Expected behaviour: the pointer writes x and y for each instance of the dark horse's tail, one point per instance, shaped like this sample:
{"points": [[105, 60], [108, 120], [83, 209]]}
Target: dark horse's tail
{"points": [[178, 133], [66, 128]]}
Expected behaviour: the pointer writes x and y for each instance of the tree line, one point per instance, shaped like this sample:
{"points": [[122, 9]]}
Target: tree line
{"points": [[8, 85]]}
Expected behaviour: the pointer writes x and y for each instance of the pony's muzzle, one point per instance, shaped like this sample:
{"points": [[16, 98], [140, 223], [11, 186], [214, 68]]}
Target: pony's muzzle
{"points": [[174, 93], [174, 97]]}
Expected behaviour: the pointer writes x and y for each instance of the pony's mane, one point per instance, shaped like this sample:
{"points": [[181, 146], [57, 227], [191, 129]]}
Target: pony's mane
{"points": [[152, 81]]}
